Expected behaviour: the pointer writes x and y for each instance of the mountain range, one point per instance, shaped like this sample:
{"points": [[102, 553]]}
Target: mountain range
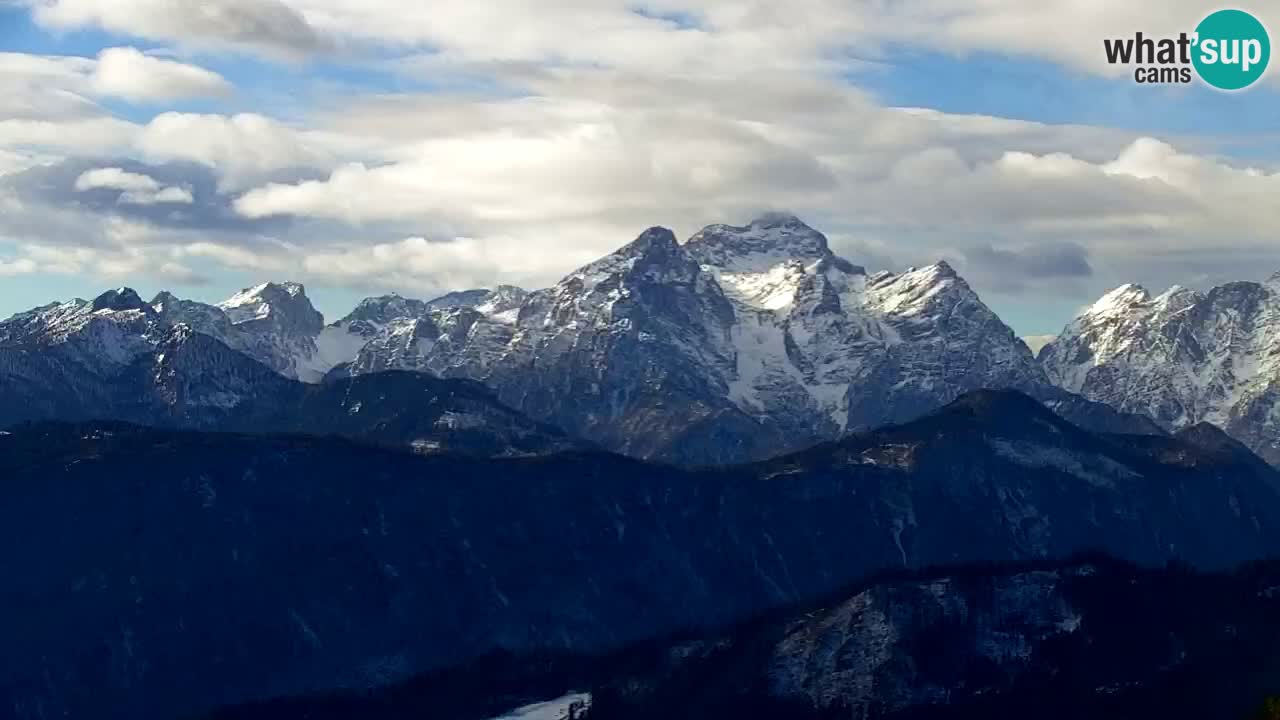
{"points": [[211, 505], [739, 344], [163, 573], [173, 376]]}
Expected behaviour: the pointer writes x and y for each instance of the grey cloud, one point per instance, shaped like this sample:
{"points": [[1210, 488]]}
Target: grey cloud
{"points": [[1038, 261], [1049, 264], [265, 25], [54, 187], [1156, 266]]}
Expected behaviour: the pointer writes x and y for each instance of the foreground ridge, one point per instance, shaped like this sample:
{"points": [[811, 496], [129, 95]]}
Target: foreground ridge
{"points": [[292, 563]]}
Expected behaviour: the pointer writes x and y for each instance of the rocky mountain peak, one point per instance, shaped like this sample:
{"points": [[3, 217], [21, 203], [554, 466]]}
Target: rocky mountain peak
{"points": [[460, 298], [1208, 436], [282, 305], [508, 295], [1178, 297], [655, 243], [994, 410], [942, 269], [1119, 301], [120, 299], [763, 243], [163, 299], [655, 256], [503, 300], [384, 308], [923, 290]]}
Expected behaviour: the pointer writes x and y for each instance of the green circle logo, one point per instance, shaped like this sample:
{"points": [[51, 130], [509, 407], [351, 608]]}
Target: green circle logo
{"points": [[1232, 49]]}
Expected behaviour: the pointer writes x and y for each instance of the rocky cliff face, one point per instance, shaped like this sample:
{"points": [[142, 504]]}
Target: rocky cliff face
{"points": [[1182, 357]]}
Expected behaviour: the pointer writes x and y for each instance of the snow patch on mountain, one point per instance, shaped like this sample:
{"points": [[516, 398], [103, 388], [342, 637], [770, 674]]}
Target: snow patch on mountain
{"points": [[1096, 470], [259, 302], [567, 707]]}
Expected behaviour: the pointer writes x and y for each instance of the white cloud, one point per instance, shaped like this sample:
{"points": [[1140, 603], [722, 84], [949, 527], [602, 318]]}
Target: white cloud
{"points": [[418, 265], [230, 256], [169, 195], [115, 179], [244, 148], [134, 188], [733, 36], [112, 264], [127, 73], [563, 138], [12, 162], [50, 104], [48, 86], [87, 136], [37, 87], [21, 266], [270, 26]]}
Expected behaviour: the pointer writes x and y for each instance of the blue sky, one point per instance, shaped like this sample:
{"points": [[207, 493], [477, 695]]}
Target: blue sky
{"points": [[992, 84], [382, 148]]}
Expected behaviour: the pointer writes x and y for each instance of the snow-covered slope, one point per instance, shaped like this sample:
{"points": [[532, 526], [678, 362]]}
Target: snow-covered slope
{"points": [[501, 303], [276, 325], [1181, 357], [853, 351], [567, 707], [395, 333]]}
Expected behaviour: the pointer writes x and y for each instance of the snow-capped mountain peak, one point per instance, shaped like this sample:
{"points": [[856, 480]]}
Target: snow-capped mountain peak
{"points": [[1119, 301], [394, 332], [763, 265], [378, 311], [1181, 357], [284, 304], [918, 290], [276, 323], [119, 300], [501, 303], [759, 246], [654, 250]]}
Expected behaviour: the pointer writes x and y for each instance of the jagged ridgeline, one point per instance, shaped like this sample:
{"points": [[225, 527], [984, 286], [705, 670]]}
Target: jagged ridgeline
{"points": [[739, 344], [1181, 358], [165, 573]]}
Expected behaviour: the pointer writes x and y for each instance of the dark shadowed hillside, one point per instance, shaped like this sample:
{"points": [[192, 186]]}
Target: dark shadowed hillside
{"points": [[178, 571], [1088, 638]]}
